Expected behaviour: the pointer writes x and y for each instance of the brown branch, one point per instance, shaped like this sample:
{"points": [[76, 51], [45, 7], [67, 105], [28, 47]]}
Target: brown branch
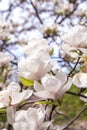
{"points": [[68, 15], [74, 67], [75, 118], [76, 94], [36, 11], [51, 113]]}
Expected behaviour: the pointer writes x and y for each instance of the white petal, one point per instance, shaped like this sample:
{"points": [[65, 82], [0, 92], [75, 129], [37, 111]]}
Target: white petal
{"points": [[80, 80], [76, 37], [41, 115], [14, 87], [38, 86], [36, 45], [20, 115], [4, 98], [18, 97], [16, 126], [65, 47], [31, 115], [11, 114], [49, 65], [51, 83], [5, 58], [61, 76], [44, 95], [2, 105], [21, 126], [64, 89]]}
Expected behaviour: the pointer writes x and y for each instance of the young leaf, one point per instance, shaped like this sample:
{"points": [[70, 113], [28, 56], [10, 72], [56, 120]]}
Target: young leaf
{"points": [[26, 82], [2, 110], [51, 52]]}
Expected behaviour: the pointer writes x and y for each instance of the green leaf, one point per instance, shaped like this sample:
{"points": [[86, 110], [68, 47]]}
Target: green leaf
{"points": [[48, 32], [59, 12], [44, 102], [26, 82], [2, 110], [51, 52], [77, 51], [56, 103], [22, 104], [1, 79]]}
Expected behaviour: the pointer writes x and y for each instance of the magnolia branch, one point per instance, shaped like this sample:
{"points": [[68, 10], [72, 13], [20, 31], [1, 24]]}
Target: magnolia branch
{"points": [[74, 67], [36, 11], [76, 94], [75, 118]]}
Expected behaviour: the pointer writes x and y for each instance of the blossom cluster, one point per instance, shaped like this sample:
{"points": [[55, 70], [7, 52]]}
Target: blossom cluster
{"points": [[75, 45], [36, 67], [40, 81]]}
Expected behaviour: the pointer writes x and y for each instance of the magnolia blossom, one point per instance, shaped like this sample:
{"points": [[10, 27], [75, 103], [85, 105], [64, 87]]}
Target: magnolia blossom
{"points": [[4, 31], [75, 39], [50, 28], [36, 45], [5, 58], [52, 87], [80, 80], [12, 95], [81, 11], [65, 7], [31, 119], [36, 66]]}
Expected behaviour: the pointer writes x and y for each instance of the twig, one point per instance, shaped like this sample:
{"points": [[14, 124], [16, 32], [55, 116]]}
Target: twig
{"points": [[36, 11], [68, 15], [51, 113], [75, 118], [76, 94], [58, 113], [74, 66]]}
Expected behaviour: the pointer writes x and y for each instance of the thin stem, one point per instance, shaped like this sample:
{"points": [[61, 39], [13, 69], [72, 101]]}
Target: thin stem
{"points": [[51, 113], [58, 113], [36, 11], [74, 67], [75, 118], [76, 94]]}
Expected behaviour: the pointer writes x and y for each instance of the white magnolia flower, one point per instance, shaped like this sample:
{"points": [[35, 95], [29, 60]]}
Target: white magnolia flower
{"points": [[65, 7], [5, 58], [80, 80], [36, 66], [52, 87], [31, 119], [12, 95], [36, 45], [4, 31], [50, 28], [3, 24], [81, 11], [75, 39]]}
